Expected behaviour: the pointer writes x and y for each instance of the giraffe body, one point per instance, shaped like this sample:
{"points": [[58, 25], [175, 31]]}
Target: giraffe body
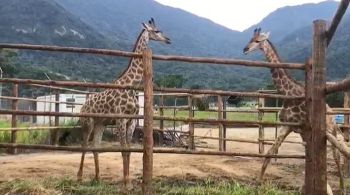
{"points": [[118, 101]]}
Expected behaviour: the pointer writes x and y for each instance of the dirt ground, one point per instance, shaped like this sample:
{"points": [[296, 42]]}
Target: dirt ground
{"points": [[286, 172]]}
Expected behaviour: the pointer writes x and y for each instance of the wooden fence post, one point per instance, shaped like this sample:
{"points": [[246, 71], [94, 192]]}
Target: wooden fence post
{"points": [[55, 133], [148, 123], [224, 115], [307, 131], [346, 132], [191, 144], [221, 129], [161, 112], [346, 167], [261, 103], [14, 118], [316, 163]]}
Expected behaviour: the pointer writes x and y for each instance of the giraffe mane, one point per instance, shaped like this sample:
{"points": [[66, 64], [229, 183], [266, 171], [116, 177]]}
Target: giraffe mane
{"points": [[279, 59], [130, 60]]}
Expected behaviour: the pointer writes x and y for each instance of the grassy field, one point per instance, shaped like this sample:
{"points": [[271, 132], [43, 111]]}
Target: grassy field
{"points": [[53, 186], [235, 116], [26, 137], [40, 136]]}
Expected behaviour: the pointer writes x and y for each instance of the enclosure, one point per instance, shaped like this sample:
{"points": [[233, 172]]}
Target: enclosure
{"points": [[315, 87]]}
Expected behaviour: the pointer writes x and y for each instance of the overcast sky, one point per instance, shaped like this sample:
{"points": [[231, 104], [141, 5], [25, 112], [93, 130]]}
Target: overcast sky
{"points": [[234, 14]]}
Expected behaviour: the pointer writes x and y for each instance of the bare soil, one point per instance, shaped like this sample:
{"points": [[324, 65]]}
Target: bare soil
{"points": [[286, 172]]}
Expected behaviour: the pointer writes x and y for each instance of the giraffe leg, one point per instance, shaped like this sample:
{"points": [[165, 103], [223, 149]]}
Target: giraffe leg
{"points": [[125, 139], [97, 166], [86, 136], [80, 171], [126, 156], [336, 157], [131, 124], [284, 132], [96, 142], [126, 166]]}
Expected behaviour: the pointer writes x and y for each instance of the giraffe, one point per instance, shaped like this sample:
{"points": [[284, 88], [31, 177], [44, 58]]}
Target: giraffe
{"points": [[117, 101], [292, 110]]}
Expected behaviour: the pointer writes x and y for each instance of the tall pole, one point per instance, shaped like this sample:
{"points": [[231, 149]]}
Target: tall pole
{"points": [[316, 155], [148, 123], [14, 118], [346, 132], [221, 129], [191, 144]]}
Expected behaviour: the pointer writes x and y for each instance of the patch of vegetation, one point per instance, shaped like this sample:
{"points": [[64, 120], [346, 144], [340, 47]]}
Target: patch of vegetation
{"points": [[215, 188], [268, 117], [66, 185], [24, 137], [55, 186]]}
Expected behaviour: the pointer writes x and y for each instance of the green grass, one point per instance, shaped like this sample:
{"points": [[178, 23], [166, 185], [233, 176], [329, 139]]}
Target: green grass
{"points": [[235, 116], [25, 137], [222, 188], [54, 186]]}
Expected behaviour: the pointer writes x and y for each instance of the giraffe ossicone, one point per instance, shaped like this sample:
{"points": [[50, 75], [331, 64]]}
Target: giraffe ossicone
{"points": [[118, 101]]}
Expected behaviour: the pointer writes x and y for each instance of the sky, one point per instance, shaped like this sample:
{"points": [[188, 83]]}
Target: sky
{"points": [[234, 14]]}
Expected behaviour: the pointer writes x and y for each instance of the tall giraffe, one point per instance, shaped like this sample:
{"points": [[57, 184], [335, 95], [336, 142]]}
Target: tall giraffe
{"points": [[292, 110], [118, 101]]}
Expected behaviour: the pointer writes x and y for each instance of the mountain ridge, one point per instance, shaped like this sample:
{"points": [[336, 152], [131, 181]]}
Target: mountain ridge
{"points": [[115, 24]]}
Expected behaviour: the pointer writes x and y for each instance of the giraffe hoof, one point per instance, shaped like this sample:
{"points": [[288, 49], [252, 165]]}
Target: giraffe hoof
{"points": [[128, 186]]}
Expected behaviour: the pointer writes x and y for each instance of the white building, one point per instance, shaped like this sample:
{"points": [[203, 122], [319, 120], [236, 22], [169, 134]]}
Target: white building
{"points": [[78, 99]]}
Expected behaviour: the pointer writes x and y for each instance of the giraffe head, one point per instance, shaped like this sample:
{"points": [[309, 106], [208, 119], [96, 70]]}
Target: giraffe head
{"points": [[257, 41], [153, 32]]}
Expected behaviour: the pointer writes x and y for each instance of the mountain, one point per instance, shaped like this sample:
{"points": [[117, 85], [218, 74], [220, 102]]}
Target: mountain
{"points": [[116, 24], [43, 21], [288, 19], [46, 22], [122, 19], [297, 46], [190, 35]]}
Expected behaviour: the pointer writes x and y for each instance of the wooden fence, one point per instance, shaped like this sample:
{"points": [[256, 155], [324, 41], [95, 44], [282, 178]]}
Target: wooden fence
{"points": [[315, 85]]}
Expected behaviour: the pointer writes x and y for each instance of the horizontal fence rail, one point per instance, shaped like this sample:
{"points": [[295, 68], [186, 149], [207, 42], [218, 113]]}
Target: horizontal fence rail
{"points": [[229, 62], [231, 139], [39, 100], [38, 128], [338, 86], [98, 115], [226, 122], [107, 52], [69, 114], [227, 93], [171, 90], [62, 89], [140, 150], [155, 57]]}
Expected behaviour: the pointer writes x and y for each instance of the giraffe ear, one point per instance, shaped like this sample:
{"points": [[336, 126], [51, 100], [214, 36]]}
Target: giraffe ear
{"points": [[267, 34], [146, 26], [263, 36]]}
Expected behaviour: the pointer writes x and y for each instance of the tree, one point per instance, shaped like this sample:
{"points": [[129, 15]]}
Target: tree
{"points": [[171, 81], [7, 61]]}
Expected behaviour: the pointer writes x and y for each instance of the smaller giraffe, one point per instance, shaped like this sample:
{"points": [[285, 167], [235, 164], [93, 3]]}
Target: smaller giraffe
{"points": [[292, 110], [118, 101]]}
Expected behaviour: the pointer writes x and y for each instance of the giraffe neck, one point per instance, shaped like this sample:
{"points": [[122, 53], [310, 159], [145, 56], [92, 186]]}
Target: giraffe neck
{"points": [[133, 74], [283, 82]]}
